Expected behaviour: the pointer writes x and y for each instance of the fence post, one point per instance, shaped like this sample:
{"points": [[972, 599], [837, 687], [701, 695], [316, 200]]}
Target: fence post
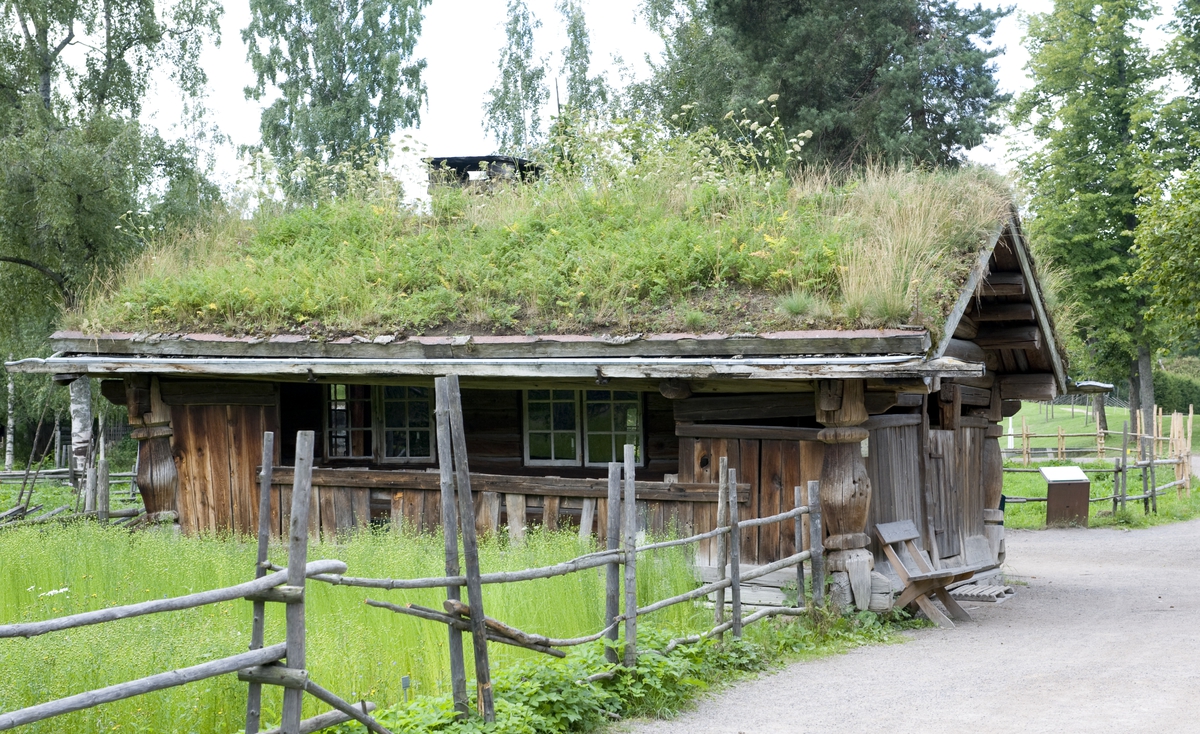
{"points": [[612, 578], [630, 559], [797, 528], [458, 671], [1024, 442], [722, 540], [254, 697], [735, 557], [293, 698], [1124, 468], [816, 543], [466, 518]]}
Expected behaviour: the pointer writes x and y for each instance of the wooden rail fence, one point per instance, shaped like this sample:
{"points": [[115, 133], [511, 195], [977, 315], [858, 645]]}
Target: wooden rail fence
{"points": [[283, 664], [280, 664], [1150, 451]]}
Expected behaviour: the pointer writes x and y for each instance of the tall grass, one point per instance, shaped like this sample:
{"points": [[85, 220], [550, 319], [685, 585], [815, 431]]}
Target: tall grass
{"points": [[631, 245], [355, 650]]}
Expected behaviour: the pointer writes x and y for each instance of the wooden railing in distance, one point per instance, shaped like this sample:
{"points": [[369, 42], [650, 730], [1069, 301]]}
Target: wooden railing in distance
{"points": [[261, 664]]}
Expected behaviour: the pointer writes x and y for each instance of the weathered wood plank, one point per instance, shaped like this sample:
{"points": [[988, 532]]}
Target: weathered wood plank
{"points": [[1003, 284], [386, 479], [762, 433], [1037, 386], [216, 392], [1006, 312], [770, 482], [1018, 337]]}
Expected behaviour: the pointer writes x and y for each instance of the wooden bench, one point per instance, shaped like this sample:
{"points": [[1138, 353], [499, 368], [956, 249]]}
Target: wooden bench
{"points": [[922, 581]]}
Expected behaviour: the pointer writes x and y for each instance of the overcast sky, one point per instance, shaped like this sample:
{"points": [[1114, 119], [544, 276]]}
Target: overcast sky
{"points": [[461, 40]]}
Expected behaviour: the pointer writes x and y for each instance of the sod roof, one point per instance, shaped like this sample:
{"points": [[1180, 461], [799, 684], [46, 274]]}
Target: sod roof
{"points": [[648, 250]]}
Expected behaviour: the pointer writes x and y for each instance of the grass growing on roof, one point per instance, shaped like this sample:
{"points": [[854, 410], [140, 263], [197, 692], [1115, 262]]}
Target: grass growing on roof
{"points": [[685, 231]]}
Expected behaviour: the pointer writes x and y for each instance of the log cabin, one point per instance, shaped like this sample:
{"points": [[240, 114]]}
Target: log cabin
{"points": [[896, 423]]}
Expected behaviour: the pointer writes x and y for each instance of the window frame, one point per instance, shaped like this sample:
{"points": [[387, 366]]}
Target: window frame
{"points": [[577, 461], [581, 432], [641, 429], [377, 428], [329, 429], [380, 422]]}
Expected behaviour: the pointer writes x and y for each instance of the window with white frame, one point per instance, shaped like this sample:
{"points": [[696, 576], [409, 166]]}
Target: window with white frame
{"points": [[388, 423], [581, 427]]}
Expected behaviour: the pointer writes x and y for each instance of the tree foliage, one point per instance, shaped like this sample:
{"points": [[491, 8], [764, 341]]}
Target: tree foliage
{"points": [[512, 112], [1090, 110], [345, 73], [79, 175], [893, 79], [584, 92]]}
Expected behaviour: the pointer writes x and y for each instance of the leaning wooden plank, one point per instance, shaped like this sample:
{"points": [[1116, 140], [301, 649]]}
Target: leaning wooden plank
{"points": [[458, 671], [612, 574], [463, 625], [323, 721], [630, 521], [462, 473], [32, 629], [328, 697], [138, 687]]}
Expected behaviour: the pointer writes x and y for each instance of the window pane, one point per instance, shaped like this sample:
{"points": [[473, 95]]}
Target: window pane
{"points": [[564, 394], [599, 418], [393, 414], [598, 394], [337, 392], [539, 394], [393, 392], [624, 395], [539, 446], [360, 414], [337, 415], [539, 416], [420, 444], [394, 444], [418, 413], [418, 392], [359, 392], [626, 417], [564, 416], [564, 446], [599, 448]]}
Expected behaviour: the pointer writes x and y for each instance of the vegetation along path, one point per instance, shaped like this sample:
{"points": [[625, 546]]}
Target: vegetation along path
{"points": [[1103, 638]]}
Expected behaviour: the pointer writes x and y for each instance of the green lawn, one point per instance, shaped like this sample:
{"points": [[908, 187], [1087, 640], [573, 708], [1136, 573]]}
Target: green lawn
{"points": [[1039, 421]]}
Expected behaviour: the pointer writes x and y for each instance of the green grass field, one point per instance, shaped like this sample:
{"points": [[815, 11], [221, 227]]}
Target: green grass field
{"points": [[1171, 507], [354, 650]]}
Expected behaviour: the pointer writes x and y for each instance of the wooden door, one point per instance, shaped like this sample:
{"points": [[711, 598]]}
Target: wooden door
{"points": [[894, 466], [944, 482]]}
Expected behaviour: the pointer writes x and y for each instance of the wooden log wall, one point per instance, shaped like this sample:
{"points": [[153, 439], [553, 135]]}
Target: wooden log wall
{"points": [[217, 449], [771, 468]]}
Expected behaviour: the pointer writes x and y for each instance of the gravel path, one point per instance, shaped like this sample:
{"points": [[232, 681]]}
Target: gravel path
{"points": [[1104, 638]]}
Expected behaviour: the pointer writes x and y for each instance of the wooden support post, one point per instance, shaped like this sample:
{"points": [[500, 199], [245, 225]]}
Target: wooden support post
{"points": [[735, 559], [1124, 462], [514, 504], [612, 572], [550, 510], [297, 561], [462, 472], [258, 618], [81, 423], [798, 526], [587, 517], [458, 671], [1024, 442], [1062, 444], [846, 489], [816, 543], [102, 489], [722, 541], [630, 520]]}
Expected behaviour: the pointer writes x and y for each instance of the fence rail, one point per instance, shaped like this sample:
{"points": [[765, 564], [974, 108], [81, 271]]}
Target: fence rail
{"points": [[283, 664]]}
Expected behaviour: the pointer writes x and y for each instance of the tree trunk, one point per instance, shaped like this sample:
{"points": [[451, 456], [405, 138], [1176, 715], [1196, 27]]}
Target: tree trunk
{"points": [[1134, 403], [1098, 410], [81, 423], [10, 427], [1146, 396]]}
